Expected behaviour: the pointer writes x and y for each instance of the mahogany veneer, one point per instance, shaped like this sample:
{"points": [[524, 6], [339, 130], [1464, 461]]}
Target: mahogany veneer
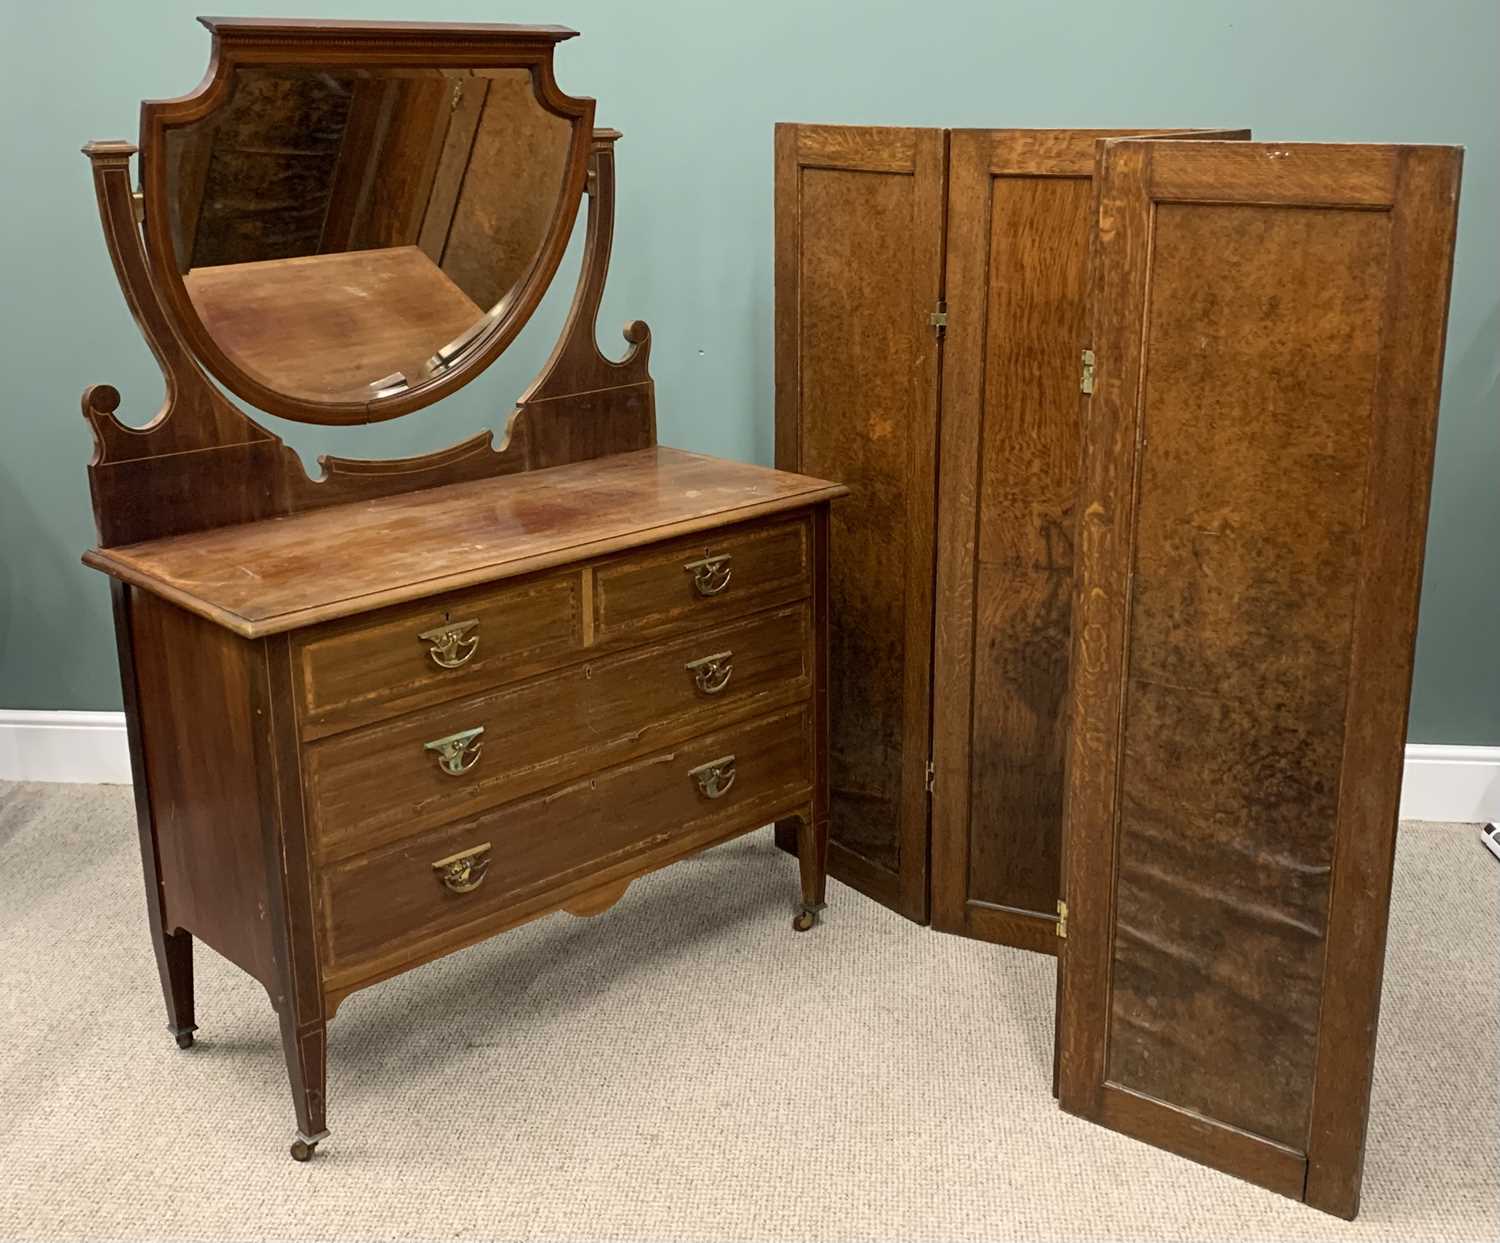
{"points": [[377, 716]]}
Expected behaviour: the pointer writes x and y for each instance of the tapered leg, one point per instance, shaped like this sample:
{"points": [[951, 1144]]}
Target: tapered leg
{"points": [[174, 961], [812, 863], [174, 950], [296, 988], [306, 1049]]}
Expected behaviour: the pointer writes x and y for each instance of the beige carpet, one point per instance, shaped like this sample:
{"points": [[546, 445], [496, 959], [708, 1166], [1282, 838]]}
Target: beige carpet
{"points": [[683, 1067]]}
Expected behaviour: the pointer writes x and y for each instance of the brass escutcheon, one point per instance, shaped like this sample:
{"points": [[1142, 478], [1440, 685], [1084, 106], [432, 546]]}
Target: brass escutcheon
{"points": [[451, 646], [715, 777], [463, 872], [710, 574], [712, 673], [457, 753]]}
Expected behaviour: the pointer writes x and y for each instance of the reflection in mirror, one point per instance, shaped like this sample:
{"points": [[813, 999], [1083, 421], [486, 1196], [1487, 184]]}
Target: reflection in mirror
{"points": [[484, 405], [346, 233]]}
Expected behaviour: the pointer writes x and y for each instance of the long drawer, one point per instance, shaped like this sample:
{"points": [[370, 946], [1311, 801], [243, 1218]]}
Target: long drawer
{"points": [[397, 778], [397, 903]]}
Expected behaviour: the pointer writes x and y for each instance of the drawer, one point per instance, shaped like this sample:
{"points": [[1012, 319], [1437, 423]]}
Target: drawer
{"points": [[360, 671], [394, 904], [398, 777], [708, 576]]}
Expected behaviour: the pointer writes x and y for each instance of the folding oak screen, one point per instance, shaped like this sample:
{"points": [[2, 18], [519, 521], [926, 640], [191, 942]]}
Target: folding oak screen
{"points": [[920, 270], [1139, 435]]}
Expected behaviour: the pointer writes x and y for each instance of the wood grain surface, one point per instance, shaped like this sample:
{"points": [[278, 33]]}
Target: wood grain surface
{"points": [[364, 668], [1020, 220], [370, 785], [204, 788], [378, 906], [859, 224], [654, 591], [268, 577], [1018, 230], [1258, 451], [277, 632]]}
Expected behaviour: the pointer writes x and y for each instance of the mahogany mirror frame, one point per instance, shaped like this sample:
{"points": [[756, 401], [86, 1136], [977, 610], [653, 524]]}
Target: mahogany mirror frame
{"points": [[249, 42]]}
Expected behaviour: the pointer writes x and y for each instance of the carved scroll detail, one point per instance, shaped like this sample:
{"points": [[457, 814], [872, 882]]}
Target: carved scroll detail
{"points": [[582, 404], [205, 417]]}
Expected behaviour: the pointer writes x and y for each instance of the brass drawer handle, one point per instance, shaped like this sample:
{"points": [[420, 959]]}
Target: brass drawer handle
{"points": [[710, 575], [463, 872], [712, 673], [716, 777], [457, 753], [451, 646]]}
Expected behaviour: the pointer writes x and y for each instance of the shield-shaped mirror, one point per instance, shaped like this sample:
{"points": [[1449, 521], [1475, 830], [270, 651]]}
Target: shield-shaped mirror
{"points": [[344, 240]]}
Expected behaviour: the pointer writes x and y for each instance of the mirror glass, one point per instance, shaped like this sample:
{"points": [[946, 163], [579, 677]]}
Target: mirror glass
{"points": [[346, 233]]}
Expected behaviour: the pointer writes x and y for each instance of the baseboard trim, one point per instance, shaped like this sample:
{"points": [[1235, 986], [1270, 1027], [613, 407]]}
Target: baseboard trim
{"points": [[1451, 783], [77, 747], [1440, 782]]}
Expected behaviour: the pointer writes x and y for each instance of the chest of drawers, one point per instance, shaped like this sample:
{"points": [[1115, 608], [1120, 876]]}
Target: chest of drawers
{"points": [[353, 756], [386, 709]]}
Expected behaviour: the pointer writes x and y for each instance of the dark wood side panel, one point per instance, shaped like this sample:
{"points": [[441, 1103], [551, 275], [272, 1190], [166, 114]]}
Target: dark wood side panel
{"points": [[1020, 213], [1246, 561], [1406, 390], [859, 216], [1018, 224], [1258, 452], [198, 730]]}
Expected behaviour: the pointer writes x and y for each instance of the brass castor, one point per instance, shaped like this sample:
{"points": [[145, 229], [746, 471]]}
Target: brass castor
{"points": [[302, 1150], [806, 919], [184, 1039]]}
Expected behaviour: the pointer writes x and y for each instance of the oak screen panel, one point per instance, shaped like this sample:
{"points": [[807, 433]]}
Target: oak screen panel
{"points": [[859, 270], [1020, 218], [1268, 326]]}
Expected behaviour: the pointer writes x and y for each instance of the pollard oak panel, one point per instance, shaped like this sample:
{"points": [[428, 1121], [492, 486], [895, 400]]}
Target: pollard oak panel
{"points": [[1020, 217], [859, 223], [1268, 325]]}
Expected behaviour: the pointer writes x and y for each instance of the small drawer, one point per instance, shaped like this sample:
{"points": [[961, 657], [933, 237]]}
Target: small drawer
{"points": [[397, 778], [354, 672], [407, 900], [711, 575]]}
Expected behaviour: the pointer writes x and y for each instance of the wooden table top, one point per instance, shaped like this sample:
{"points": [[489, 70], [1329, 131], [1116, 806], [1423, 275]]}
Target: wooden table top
{"points": [[262, 578]]}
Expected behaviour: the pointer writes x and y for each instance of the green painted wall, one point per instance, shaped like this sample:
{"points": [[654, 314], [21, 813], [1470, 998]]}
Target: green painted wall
{"points": [[696, 86]]}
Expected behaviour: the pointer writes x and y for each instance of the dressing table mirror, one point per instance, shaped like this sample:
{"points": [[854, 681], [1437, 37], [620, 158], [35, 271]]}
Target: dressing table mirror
{"points": [[343, 235], [383, 713]]}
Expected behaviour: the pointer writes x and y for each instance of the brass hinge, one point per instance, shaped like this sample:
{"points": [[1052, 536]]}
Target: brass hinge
{"points": [[1062, 919], [138, 203], [931, 775], [939, 318], [1087, 383]]}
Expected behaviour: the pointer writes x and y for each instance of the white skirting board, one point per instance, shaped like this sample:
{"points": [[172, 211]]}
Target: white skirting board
{"points": [[1440, 783], [78, 747], [1450, 783]]}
